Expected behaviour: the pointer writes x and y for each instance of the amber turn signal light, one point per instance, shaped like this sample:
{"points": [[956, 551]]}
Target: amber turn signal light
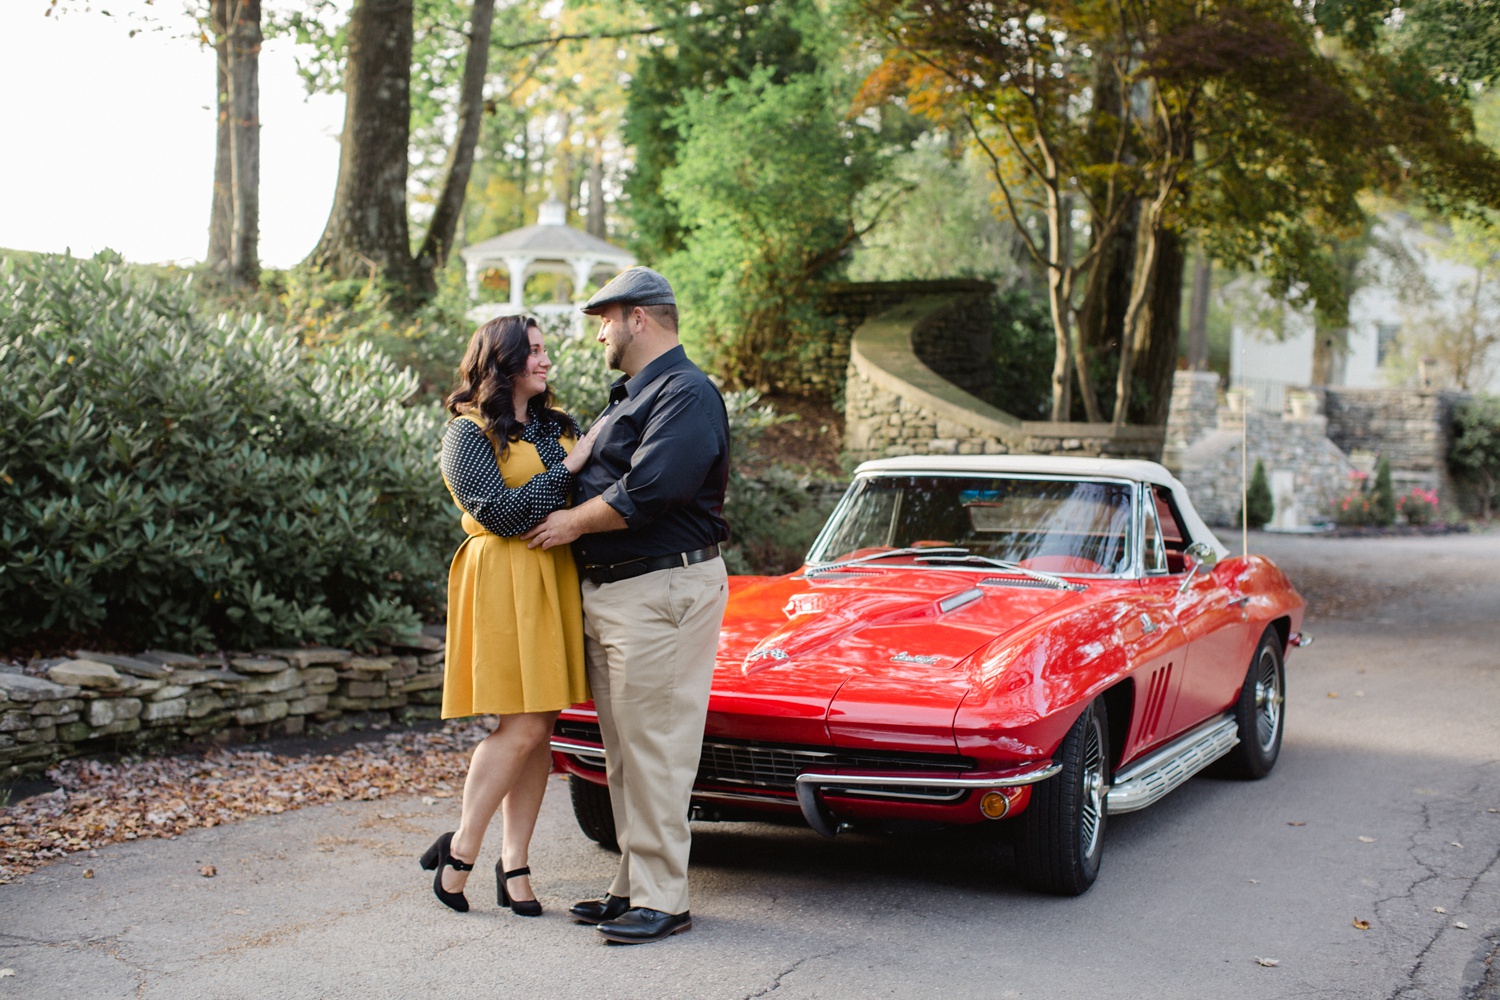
{"points": [[994, 805]]}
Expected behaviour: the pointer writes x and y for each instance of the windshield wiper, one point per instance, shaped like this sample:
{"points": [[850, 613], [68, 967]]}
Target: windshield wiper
{"points": [[955, 552], [965, 556]]}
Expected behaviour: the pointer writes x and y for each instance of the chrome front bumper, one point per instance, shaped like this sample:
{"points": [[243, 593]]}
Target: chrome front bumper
{"points": [[906, 785], [909, 786]]}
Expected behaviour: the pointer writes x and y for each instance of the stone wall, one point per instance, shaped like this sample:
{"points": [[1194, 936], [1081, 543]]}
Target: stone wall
{"points": [[1306, 470], [851, 303], [897, 404], [97, 702], [1412, 428], [960, 345], [1310, 450]]}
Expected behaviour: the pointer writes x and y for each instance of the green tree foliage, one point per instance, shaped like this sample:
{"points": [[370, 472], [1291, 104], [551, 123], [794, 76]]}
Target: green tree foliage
{"points": [[764, 186], [172, 478], [1475, 452], [1259, 506], [1248, 124], [940, 225], [705, 44], [1383, 495], [1023, 355]]}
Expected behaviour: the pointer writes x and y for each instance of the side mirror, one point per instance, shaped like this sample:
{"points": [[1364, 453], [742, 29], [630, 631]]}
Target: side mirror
{"points": [[1203, 555], [1204, 559]]}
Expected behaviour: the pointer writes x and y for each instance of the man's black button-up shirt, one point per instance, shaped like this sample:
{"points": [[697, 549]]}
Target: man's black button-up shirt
{"points": [[661, 461]]}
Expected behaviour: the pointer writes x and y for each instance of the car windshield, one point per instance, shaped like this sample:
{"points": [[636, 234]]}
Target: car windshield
{"points": [[1051, 525]]}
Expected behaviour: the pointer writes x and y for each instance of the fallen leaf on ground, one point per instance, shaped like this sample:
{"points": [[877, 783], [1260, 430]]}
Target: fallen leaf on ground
{"points": [[88, 873], [1333, 694], [1438, 909], [99, 803], [1367, 840], [1460, 925], [1295, 822], [1269, 963], [1362, 925], [208, 871]]}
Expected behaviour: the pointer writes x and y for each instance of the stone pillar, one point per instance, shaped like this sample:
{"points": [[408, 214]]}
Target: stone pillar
{"points": [[1193, 413]]}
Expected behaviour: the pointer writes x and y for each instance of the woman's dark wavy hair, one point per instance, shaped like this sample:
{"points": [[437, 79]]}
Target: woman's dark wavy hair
{"points": [[486, 381]]}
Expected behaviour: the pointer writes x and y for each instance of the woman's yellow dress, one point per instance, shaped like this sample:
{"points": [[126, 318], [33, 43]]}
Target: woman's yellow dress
{"points": [[515, 616]]}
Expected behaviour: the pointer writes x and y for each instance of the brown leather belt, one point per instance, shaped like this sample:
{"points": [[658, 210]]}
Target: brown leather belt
{"points": [[602, 573]]}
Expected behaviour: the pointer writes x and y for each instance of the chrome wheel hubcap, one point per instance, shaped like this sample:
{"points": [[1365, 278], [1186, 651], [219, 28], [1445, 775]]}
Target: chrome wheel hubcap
{"points": [[1093, 789], [1268, 700]]}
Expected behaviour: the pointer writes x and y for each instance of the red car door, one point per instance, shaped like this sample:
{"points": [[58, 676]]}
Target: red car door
{"points": [[1212, 618]]}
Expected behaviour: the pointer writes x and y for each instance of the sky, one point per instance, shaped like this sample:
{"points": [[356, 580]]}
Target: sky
{"points": [[109, 140]]}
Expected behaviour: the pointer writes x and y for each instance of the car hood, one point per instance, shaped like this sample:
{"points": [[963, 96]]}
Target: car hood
{"points": [[874, 658]]}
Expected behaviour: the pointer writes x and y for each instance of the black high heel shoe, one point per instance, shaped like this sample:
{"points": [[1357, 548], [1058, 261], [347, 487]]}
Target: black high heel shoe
{"points": [[520, 907], [438, 856]]}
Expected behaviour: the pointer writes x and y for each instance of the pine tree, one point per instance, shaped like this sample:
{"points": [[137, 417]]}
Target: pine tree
{"points": [[1383, 497], [1259, 506]]}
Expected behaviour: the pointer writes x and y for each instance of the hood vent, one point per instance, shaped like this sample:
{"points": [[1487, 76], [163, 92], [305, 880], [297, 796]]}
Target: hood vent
{"points": [[1016, 581]]}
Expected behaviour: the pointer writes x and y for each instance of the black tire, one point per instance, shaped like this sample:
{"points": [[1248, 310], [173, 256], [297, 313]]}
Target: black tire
{"points": [[592, 810], [1061, 835], [1260, 713]]}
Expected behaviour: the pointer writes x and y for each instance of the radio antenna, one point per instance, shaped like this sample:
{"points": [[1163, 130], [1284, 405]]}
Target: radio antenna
{"points": [[1244, 457]]}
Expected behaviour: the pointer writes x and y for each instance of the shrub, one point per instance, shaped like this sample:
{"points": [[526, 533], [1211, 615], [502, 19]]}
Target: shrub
{"points": [[1383, 496], [1475, 453], [773, 514], [173, 479], [1419, 506], [1353, 508], [1259, 505]]}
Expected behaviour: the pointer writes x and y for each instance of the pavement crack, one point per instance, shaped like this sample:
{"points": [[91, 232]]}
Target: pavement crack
{"points": [[1411, 988], [776, 983]]}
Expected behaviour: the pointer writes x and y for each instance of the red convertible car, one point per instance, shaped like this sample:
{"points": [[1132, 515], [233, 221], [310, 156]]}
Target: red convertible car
{"points": [[1039, 641]]}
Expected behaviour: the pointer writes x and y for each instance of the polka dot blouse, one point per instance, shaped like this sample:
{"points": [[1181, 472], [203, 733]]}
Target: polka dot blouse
{"points": [[470, 470]]}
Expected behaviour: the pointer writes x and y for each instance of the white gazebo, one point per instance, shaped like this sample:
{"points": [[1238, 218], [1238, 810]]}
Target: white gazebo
{"points": [[549, 247]]}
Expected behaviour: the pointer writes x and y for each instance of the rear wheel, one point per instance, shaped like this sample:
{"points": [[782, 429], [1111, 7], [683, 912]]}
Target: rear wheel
{"points": [[1061, 835], [592, 810], [1260, 713]]}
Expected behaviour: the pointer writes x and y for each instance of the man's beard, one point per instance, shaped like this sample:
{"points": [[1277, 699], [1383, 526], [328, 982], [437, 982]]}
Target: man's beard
{"points": [[614, 353]]}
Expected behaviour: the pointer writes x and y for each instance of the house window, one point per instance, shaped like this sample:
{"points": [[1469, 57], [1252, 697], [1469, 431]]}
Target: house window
{"points": [[1385, 341]]}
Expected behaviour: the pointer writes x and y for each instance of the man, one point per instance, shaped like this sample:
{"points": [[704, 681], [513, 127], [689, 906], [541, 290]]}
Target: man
{"points": [[646, 533]]}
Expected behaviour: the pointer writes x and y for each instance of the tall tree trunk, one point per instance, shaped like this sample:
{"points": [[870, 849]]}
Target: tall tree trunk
{"points": [[596, 224], [244, 141], [1156, 359], [439, 241], [1142, 288], [221, 214], [1330, 338], [1197, 339], [367, 228], [1059, 298], [1101, 320]]}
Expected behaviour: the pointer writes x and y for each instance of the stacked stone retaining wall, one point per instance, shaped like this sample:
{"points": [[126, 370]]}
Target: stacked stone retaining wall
{"points": [[1411, 428], [98, 703], [897, 404]]}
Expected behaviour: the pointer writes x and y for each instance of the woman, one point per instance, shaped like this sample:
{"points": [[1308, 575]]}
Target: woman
{"points": [[515, 626]]}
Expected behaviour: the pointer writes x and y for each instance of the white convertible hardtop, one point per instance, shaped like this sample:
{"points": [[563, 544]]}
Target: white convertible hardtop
{"points": [[1135, 470]]}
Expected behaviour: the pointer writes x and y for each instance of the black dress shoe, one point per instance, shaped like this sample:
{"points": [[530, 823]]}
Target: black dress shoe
{"points": [[641, 924], [594, 911]]}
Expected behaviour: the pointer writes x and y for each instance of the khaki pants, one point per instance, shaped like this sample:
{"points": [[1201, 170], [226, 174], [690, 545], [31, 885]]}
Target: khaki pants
{"points": [[650, 644]]}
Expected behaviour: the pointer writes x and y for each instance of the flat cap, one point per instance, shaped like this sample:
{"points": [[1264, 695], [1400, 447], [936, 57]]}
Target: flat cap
{"points": [[636, 286]]}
